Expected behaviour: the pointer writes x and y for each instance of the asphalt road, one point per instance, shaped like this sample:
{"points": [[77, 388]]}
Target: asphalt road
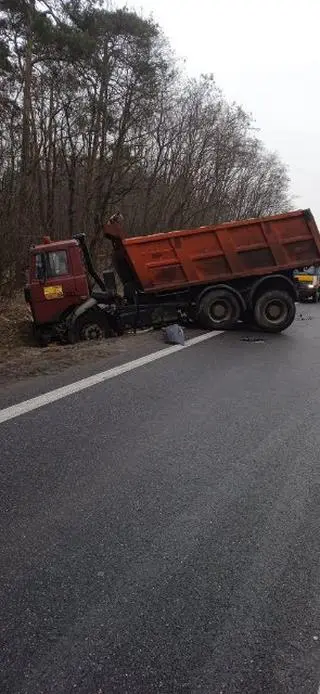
{"points": [[160, 531]]}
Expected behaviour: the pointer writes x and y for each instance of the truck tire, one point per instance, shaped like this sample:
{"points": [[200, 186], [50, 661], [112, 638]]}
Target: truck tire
{"points": [[274, 311], [91, 325], [219, 309]]}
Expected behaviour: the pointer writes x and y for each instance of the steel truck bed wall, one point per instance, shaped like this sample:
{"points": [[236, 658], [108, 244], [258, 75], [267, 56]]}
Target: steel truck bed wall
{"points": [[210, 254]]}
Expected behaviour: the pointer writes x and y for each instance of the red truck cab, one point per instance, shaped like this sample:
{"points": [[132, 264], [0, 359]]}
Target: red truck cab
{"points": [[57, 280]]}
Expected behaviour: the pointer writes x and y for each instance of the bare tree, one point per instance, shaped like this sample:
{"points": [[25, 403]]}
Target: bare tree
{"points": [[95, 115]]}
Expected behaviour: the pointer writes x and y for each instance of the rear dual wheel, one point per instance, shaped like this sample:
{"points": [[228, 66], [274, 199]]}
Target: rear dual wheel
{"points": [[219, 309], [274, 311]]}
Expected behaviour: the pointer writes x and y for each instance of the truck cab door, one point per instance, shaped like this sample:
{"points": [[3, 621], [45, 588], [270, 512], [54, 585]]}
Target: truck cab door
{"points": [[52, 288]]}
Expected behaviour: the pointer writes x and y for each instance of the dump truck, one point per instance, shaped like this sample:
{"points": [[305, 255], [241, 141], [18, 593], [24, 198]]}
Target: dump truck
{"points": [[213, 276]]}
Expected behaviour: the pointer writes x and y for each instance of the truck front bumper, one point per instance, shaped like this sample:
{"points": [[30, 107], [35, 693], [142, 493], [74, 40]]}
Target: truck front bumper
{"points": [[305, 293]]}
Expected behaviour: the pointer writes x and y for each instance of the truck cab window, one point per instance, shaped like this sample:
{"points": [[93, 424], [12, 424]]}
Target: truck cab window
{"points": [[57, 263]]}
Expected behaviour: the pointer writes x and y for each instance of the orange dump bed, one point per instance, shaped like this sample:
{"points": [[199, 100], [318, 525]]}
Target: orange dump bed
{"points": [[228, 251]]}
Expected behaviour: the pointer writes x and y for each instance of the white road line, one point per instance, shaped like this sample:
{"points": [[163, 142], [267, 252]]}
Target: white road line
{"points": [[59, 393]]}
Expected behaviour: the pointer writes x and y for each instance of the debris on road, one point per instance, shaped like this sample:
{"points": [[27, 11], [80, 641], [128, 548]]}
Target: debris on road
{"points": [[304, 317], [252, 339], [174, 334]]}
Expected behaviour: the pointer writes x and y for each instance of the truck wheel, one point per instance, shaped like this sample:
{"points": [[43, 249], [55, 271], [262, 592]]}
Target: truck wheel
{"points": [[315, 298], [274, 311], [219, 309], [91, 326]]}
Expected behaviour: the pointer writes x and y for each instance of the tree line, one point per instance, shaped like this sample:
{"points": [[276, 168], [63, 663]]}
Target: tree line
{"points": [[96, 116]]}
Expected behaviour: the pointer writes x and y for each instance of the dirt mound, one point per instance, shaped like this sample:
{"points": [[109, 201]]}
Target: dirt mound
{"points": [[21, 357], [15, 327]]}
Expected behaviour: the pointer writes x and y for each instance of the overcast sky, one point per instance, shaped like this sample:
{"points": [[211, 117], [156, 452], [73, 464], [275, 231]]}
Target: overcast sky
{"points": [[264, 55]]}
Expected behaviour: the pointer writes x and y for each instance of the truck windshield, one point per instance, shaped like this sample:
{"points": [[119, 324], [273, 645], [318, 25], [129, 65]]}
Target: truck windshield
{"points": [[56, 264]]}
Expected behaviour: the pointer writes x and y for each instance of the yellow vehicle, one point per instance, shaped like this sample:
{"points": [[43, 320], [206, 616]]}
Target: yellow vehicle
{"points": [[308, 283]]}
